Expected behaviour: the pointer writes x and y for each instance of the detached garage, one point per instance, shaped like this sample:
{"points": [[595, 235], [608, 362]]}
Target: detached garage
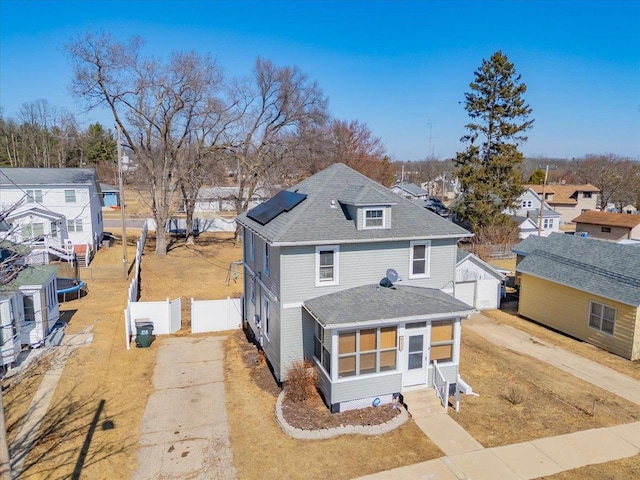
{"points": [[477, 283]]}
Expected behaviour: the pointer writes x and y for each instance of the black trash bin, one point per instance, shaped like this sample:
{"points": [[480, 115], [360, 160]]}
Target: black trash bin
{"points": [[144, 333]]}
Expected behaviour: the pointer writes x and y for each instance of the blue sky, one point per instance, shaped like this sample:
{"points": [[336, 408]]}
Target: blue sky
{"points": [[401, 67]]}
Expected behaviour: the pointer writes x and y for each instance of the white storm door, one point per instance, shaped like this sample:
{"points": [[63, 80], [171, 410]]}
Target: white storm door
{"points": [[417, 358]]}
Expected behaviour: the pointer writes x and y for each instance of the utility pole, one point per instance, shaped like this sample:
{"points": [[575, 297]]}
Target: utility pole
{"points": [[5, 461], [544, 184], [125, 262]]}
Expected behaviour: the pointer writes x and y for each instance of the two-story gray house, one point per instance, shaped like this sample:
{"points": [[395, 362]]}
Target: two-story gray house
{"points": [[344, 272]]}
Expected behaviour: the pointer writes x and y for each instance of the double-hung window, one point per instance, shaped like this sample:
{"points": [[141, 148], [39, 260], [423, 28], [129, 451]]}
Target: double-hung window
{"points": [[547, 223], [327, 265], [251, 244], [419, 259], [74, 225], [267, 260], [602, 317], [70, 196], [374, 218], [34, 196]]}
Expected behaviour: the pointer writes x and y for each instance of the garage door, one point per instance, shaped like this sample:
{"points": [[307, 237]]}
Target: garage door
{"points": [[466, 292]]}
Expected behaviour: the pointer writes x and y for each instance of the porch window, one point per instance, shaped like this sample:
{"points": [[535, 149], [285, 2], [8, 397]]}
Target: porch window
{"points": [[319, 349], [371, 350], [441, 341], [326, 266], [419, 259], [602, 317], [70, 196]]}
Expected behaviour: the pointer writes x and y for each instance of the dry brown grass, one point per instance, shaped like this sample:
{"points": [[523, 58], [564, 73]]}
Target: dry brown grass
{"points": [[261, 449], [554, 402]]}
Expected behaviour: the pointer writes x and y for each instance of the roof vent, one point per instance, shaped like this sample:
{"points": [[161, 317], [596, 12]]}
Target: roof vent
{"points": [[333, 204]]}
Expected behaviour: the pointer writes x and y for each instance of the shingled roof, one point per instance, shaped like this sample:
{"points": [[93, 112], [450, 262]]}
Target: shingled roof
{"points": [[373, 304], [605, 269], [46, 176], [320, 218], [594, 217], [562, 194]]}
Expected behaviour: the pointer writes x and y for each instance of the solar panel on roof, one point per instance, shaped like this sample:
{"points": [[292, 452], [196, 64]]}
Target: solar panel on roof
{"points": [[283, 201]]}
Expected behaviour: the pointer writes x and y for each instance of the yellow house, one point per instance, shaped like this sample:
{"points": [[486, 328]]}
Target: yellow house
{"points": [[585, 288]]}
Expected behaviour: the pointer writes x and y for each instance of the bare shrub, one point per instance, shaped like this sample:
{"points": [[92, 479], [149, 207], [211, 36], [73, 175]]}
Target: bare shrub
{"points": [[514, 395], [300, 384]]}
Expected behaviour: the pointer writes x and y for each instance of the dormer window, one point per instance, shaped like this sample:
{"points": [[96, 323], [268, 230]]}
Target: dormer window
{"points": [[587, 195], [374, 218]]}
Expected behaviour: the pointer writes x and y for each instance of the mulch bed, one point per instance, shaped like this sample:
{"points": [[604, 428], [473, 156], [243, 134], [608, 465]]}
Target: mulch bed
{"points": [[313, 413]]}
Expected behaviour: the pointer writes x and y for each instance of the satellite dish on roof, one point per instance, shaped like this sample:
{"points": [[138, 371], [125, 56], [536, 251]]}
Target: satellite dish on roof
{"points": [[392, 275]]}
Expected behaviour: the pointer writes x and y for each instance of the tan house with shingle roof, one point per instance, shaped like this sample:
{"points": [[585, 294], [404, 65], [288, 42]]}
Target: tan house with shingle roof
{"points": [[569, 200], [609, 226]]}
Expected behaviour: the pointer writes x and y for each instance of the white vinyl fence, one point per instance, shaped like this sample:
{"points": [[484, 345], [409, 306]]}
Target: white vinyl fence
{"points": [[216, 315]]}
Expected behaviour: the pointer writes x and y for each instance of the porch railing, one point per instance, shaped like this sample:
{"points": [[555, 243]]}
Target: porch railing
{"points": [[441, 385]]}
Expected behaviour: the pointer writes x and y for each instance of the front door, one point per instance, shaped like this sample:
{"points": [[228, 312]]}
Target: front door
{"points": [[417, 359]]}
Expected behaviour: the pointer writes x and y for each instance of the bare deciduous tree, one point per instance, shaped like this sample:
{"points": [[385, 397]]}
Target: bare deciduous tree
{"points": [[276, 104], [156, 103]]}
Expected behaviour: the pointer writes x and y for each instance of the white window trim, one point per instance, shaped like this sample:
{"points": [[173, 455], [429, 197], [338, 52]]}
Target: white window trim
{"points": [[336, 263], [376, 209], [427, 253], [603, 305]]}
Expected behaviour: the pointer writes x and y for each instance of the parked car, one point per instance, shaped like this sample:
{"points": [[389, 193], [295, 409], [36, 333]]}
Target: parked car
{"points": [[436, 206]]}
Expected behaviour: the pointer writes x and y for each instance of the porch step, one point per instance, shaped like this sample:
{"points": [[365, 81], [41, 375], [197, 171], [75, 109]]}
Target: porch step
{"points": [[422, 403]]}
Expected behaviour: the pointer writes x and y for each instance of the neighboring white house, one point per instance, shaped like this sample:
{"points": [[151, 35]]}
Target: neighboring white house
{"points": [[222, 199], [410, 191], [341, 270], [28, 302], [55, 210], [477, 283], [526, 215]]}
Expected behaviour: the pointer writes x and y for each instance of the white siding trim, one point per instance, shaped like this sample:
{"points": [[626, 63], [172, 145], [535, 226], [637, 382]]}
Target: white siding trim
{"points": [[292, 305]]}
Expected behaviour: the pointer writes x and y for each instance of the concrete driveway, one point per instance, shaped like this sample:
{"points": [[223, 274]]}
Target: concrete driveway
{"points": [[184, 431]]}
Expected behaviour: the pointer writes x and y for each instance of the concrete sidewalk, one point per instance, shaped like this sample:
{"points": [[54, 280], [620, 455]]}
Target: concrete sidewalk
{"points": [[528, 460], [465, 458], [184, 431]]}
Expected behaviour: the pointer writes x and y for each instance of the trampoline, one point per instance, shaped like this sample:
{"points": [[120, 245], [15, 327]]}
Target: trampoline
{"points": [[70, 288]]}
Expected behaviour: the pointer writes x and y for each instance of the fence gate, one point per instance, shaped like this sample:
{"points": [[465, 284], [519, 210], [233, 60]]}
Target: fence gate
{"points": [[176, 314]]}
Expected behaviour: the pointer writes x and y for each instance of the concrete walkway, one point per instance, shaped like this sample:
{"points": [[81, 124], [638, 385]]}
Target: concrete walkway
{"points": [[184, 431], [28, 431], [465, 458]]}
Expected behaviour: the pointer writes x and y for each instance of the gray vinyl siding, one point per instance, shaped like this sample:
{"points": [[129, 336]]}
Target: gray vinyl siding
{"points": [[296, 338], [358, 387], [361, 264], [363, 387]]}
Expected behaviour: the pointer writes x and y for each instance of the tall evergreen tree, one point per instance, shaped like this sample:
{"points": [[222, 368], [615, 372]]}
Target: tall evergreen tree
{"points": [[488, 169]]}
